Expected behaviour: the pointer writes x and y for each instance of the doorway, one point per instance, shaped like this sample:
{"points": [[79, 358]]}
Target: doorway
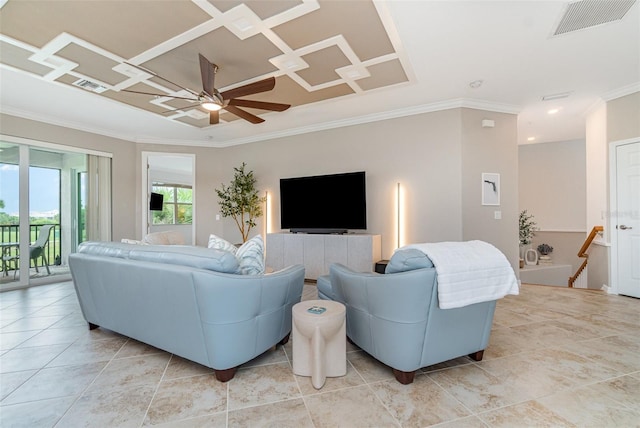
{"points": [[624, 158], [173, 176]]}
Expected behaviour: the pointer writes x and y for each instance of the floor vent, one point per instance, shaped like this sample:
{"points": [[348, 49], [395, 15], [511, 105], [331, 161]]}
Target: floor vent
{"points": [[90, 86], [589, 13]]}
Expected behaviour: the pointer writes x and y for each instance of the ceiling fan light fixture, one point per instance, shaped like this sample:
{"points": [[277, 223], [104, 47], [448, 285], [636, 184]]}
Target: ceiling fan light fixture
{"points": [[211, 106]]}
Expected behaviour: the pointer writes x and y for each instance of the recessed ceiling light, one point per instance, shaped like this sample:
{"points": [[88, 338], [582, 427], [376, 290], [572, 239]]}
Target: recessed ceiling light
{"points": [[476, 84], [531, 139], [553, 111]]}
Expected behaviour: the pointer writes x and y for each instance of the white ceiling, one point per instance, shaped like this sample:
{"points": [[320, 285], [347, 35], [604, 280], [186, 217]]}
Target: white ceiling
{"points": [[443, 46]]}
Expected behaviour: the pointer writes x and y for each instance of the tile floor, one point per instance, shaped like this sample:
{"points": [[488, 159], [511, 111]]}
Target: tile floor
{"points": [[557, 357]]}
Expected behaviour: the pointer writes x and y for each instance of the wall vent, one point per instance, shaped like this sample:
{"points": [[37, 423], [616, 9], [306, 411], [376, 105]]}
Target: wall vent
{"points": [[589, 13], [90, 86]]}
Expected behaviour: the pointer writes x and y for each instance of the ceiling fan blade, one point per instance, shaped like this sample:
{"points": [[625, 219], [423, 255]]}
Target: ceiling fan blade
{"points": [[162, 78], [243, 114], [214, 117], [208, 73], [156, 95], [249, 89], [259, 105]]}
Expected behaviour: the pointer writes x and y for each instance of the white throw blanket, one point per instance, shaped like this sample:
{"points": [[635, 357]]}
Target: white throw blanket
{"points": [[469, 272]]}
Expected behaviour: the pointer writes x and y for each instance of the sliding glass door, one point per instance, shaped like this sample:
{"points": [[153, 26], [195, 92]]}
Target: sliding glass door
{"points": [[43, 211]]}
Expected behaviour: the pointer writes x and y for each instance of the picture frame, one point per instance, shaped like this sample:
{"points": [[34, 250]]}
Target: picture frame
{"points": [[490, 188]]}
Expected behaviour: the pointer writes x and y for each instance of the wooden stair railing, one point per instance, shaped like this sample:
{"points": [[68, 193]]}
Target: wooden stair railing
{"points": [[583, 253]]}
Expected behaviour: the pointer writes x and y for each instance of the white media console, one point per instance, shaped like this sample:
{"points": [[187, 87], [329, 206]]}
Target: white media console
{"points": [[318, 251]]}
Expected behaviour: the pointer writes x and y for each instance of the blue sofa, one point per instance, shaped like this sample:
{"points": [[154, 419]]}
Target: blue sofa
{"points": [[395, 317], [186, 300]]}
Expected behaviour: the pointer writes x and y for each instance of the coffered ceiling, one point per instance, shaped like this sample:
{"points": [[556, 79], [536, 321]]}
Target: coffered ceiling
{"points": [[336, 63]]}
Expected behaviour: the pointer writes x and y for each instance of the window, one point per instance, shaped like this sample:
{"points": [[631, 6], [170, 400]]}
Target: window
{"points": [[177, 206]]}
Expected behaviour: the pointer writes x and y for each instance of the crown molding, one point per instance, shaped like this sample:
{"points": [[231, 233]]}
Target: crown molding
{"points": [[24, 114], [621, 92], [391, 114]]}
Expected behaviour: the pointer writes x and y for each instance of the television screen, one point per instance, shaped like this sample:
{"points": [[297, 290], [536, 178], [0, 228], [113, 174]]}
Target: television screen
{"points": [[324, 203], [155, 201]]}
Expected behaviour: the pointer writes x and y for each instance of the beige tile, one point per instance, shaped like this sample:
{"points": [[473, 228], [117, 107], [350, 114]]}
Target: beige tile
{"points": [[10, 381], [624, 389], [31, 323], [181, 367], [618, 352], [469, 422], [528, 414], [421, 403], [503, 342], [55, 336], [352, 407], [89, 352], [271, 356], [352, 378], [546, 371], [460, 361], [261, 385], [187, 398], [283, 414], [145, 370], [543, 335], [134, 348], [20, 359], [122, 408], [218, 420], [586, 406], [477, 389], [55, 382], [41, 414], [508, 318], [368, 367], [11, 340]]}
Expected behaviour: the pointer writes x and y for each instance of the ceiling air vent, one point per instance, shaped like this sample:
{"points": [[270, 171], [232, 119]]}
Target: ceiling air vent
{"points": [[589, 13], [90, 86]]}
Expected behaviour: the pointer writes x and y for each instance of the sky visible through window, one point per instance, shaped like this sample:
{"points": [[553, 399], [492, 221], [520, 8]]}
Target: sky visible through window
{"points": [[44, 189]]}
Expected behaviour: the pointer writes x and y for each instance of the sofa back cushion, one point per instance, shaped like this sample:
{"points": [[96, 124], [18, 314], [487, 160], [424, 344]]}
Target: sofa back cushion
{"points": [[169, 237], [409, 259], [184, 255]]}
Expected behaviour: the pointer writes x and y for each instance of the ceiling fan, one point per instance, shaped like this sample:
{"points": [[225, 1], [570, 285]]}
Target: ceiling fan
{"points": [[213, 100]]}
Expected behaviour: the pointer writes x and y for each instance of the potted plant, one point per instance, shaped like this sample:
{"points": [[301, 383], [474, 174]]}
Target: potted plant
{"points": [[526, 232], [545, 249], [527, 228], [240, 200]]}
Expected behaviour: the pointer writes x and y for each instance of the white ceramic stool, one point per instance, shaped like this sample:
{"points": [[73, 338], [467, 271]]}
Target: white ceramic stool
{"points": [[319, 340]]}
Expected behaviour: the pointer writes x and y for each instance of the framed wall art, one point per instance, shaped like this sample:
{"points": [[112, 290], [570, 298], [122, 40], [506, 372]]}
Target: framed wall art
{"points": [[490, 188]]}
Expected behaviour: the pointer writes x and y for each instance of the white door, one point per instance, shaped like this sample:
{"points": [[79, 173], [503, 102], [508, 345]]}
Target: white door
{"points": [[627, 225]]}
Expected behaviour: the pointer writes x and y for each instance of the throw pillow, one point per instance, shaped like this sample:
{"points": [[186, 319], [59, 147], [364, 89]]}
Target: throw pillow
{"points": [[251, 256], [220, 244], [131, 241], [408, 259]]}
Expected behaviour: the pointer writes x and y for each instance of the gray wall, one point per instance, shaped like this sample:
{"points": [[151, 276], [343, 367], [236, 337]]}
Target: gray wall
{"points": [[437, 157]]}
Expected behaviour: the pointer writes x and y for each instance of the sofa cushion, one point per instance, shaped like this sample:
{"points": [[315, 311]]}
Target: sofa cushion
{"points": [[409, 259], [221, 244], [197, 257], [170, 237], [186, 255], [251, 256]]}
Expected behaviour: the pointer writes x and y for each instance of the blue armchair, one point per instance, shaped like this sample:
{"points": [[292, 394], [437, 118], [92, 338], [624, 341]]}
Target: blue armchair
{"points": [[395, 317]]}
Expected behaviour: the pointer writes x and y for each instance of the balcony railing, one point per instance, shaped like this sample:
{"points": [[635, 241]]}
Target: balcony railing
{"points": [[53, 247]]}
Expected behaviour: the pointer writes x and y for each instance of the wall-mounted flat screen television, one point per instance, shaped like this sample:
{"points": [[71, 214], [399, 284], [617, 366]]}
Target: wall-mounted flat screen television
{"points": [[332, 203], [155, 201]]}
